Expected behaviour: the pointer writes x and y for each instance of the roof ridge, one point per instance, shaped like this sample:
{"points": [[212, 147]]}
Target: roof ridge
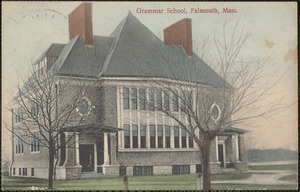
{"points": [[112, 48], [72, 43]]}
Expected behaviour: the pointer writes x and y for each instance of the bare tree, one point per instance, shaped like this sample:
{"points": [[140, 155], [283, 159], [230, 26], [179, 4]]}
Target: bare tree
{"points": [[205, 109], [45, 106]]}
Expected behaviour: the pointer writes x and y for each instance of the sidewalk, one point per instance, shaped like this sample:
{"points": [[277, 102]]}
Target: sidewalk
{"points": [[262, 178]]}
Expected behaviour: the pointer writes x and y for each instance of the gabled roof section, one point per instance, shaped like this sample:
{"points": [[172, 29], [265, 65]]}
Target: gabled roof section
{"points": [[138, 52], [132, 50], [52, 51], [79, 59]]}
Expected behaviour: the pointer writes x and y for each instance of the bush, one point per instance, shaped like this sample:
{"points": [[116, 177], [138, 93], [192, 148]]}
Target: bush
{"points": [[4, 173]]}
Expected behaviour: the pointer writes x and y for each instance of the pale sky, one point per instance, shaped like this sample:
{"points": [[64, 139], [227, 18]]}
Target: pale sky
{"points": [[28, 28]]}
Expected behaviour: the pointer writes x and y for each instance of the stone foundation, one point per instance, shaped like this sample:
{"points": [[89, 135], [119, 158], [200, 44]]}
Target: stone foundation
{"points": [[111, 170], [215, 167], [162, 170], [73, 172], [240, 166]]}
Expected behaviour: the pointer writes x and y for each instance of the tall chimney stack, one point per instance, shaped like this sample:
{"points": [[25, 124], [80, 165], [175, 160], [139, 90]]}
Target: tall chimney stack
{"points": [[80, 23], [180, 33]]}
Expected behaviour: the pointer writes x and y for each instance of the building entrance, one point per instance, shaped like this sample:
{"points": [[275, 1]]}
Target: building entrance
{"points": [[86, 155], [221, 155]]}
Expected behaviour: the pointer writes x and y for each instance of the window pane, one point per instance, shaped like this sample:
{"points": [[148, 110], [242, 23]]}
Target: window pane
{"points": [[167, 101], [183, 102], [183, 138], [160, 136], [151, 100], [152, 136], [175, 102], [191, 100], [176, 131], [143, 136], [159, 101], [176, 136], [167, 131], [127, 135], [191, 142], [127, 130], [175, 169], [160, 130], [134, 130], [126, 98], [142, 99], [152, 130], [167, 135], [135, 136], [133, 98], [143, 130]]}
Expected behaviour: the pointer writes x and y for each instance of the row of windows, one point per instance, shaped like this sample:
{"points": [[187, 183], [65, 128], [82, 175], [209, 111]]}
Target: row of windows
{"points": [[148, 170], [159, 137], [23, 171], [19, 113], [35, 143], [157, 100]]}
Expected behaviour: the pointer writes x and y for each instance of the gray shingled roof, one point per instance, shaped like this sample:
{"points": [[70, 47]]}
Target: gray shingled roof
{"points": [[132, 50], [52, 51]]}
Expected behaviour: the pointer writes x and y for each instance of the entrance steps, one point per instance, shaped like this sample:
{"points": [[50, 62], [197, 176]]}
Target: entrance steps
{"points": [[88, 175], [229, 170]]}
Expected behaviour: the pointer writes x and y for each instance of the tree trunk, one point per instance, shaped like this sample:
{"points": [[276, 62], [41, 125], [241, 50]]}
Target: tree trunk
{"points": [[51, 166], [206, 166]]}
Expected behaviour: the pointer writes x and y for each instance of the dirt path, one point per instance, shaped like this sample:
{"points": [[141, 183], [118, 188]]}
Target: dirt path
{"points": [[262, 178]]}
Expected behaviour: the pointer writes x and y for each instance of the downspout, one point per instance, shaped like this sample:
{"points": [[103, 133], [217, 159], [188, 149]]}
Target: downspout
{"points": [[56, 153], [12, 143]]}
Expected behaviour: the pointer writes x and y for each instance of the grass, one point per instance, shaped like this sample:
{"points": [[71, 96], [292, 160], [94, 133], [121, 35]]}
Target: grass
{"points": [[291, 177], [233, 176], [274, 167], [154, 182], [252, 187]]}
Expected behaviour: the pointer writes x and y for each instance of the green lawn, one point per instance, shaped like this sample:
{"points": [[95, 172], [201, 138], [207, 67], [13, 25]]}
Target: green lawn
{"points": [[252, 187], [291, 177], [274, 167], [157, 182], [233, 176]]}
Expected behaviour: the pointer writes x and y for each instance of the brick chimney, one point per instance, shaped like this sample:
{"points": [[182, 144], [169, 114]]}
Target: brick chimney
{"points": [[180, 33], [80, 22]]}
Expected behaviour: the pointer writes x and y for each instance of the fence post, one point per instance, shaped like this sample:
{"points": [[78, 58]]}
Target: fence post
{"points": [[199, 179], [125, 180]]}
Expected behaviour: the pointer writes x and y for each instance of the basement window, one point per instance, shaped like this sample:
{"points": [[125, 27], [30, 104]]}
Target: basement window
{"points": [[25, 171], [142, 170], [180, 169]]}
